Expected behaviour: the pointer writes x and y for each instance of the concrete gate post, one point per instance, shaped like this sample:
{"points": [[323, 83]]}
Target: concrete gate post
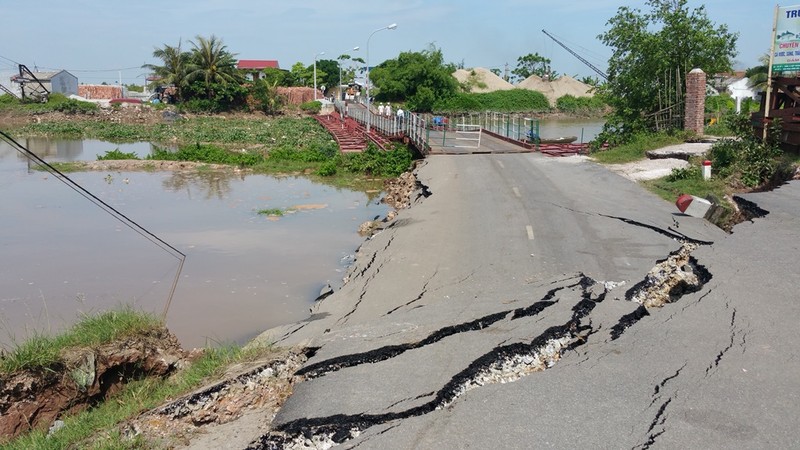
{"points": [[694, 118]]}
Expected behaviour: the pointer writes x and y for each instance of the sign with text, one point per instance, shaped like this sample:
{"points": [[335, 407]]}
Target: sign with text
{"points": [[786, 56]]}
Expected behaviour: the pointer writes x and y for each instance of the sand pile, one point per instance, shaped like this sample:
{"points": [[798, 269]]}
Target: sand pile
{"points": [[565, 85], [481, 80]]}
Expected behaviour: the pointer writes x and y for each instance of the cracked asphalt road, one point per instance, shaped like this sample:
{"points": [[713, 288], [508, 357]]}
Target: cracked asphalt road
{"points": [[494, 314]]}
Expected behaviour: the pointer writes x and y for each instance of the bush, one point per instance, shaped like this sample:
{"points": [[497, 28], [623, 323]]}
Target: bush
{"points": [[312, 107], [116, 155], [376, 162], [582, 105], [752, 160], [72, 106], [327, 169], [684, 173], [201, 105], [207, 154], [513, 100]]}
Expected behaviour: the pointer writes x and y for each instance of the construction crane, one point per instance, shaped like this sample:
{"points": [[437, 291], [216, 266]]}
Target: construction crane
{"points": [[599, 72]]}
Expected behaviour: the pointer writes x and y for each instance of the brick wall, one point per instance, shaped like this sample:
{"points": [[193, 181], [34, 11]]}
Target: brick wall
{"points": [[694, 118], [99, 91]]}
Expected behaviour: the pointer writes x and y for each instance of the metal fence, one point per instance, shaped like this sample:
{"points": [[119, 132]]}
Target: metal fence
{"points": [[513, 126], [411, 126]]}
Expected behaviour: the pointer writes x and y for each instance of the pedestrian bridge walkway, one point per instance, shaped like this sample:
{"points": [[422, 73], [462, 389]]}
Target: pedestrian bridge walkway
{"points": [[430, 134]]}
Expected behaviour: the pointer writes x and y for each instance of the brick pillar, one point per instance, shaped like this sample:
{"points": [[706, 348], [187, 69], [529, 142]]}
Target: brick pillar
{"points": [[694, 119]]}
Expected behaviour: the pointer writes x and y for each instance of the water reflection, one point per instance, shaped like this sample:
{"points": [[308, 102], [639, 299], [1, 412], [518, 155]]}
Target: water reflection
{"points": [[59, 254], [214, 184]]}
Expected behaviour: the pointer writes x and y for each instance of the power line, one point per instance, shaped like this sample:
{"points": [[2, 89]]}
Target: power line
{"points": [[94, 70], [9, 59], [130, 223]]}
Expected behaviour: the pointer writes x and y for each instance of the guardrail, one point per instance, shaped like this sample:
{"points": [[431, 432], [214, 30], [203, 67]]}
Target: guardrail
{"points": [[411, 126]]}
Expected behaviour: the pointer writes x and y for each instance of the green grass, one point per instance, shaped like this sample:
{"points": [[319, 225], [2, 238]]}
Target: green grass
{"points": [[635, 149], [116, 154], [96, 428], [271, 212], [697, 186], [42, 351]]}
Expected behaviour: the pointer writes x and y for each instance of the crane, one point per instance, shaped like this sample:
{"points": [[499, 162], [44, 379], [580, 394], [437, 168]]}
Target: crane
{"points": [[599, 72]]}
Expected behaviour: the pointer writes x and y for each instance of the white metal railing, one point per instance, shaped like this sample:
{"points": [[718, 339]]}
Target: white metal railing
{"points": [[412, 126]]}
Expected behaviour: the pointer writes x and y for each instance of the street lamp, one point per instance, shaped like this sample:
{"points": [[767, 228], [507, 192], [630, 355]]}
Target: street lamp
{"points": [[315, 73], [355, 49], [369, 113]]}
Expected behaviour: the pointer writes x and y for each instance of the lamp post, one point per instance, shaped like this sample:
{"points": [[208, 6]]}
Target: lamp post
{"points": [[355, 49], [369, 112], [315, 73]]}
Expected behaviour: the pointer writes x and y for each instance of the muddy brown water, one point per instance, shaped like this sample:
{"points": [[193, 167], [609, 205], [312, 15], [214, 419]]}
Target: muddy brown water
{"points": [[61, 256]]}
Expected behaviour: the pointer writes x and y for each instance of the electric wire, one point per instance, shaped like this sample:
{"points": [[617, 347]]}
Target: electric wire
{"points": [[125, 220]]}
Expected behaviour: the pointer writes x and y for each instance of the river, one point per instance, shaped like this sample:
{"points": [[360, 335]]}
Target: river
{"points": [[61, 256]]}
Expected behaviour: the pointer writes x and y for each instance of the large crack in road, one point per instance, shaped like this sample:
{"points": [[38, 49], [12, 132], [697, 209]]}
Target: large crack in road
{"points": [[677, 275]]}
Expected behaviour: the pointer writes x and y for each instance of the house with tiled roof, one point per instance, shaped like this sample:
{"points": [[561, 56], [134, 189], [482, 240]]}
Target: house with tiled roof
{"points": [[254, 68]]}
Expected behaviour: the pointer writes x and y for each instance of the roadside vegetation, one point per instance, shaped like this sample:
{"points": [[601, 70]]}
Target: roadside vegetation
{"points": [[96, 427], [652, 52], [42, 352]]}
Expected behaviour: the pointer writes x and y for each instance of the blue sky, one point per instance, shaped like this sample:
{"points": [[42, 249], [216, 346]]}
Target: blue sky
{"points": [[99, 41]]}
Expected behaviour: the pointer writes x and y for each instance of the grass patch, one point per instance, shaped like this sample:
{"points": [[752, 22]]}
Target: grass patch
{"points": [[635, 149], [117, 155], [96, 428], [42, 351], [670, 188], [271, 212]]}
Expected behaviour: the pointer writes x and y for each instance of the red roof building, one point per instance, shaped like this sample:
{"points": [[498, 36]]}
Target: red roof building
{"points": [[257, 64], [255, 67]]}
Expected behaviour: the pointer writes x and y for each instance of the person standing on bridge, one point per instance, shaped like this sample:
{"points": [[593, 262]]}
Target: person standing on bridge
{"points": [[400, 115], [388, 110], [380, 109]]}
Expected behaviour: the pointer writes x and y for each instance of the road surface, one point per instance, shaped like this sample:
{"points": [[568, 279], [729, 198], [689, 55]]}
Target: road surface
{"points": [[504, 310]]}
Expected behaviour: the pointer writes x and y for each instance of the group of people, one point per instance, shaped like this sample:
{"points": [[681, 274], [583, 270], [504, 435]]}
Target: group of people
{"points": [[386, 111]]}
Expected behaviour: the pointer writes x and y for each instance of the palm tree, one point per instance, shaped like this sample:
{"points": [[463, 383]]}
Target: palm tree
{"points": [[212, 64], [758, 74], [173, 70]]}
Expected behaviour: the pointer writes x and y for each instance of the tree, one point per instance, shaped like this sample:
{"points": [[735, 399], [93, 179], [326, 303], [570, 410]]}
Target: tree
{"points": [[174, 65], [212, 65], [266, 92], [758, 75], [301, 75], [417, 78], [533, 64], [652, 53], [327, 73]]}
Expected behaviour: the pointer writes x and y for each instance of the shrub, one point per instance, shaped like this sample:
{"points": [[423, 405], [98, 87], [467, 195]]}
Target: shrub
{"points": [[327, 169], [312, 107], [754, 161], [513, 100], [584, 105], [376, 162], [116, 154], [207, 154], [684, 173], [72, 106]]}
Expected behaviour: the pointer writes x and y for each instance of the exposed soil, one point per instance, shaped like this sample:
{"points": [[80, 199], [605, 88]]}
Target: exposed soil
{"points": [[229, 413], [36, 398]]}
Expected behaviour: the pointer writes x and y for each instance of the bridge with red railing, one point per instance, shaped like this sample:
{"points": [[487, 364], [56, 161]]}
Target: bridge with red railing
{"points": [[429, 134]]}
